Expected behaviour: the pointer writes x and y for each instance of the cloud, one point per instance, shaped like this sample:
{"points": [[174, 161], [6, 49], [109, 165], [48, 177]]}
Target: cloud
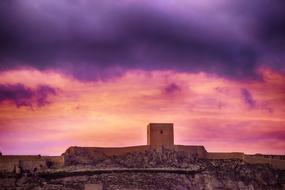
{"points": [[251, 103], [107, 106], [23, 96], [247, 98], [101, 39], [42, 93], [172, 88]]}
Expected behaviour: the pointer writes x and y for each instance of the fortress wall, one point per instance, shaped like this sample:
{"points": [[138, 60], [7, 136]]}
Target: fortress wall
{"points": [[278, 164], [200, 151], [279, 157], [33, 165], [275, 161], [56, 161], [10, 162], [256, 159], [225, 155], [28, 162], [121, 150], [8, 165], [20, 157]]}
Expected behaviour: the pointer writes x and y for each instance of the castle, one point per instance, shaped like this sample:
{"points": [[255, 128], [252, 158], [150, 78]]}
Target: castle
{"points": [[159, 136]]}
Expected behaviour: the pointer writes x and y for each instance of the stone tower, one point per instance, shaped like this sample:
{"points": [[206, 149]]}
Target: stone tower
{"points": [[160, 134]]}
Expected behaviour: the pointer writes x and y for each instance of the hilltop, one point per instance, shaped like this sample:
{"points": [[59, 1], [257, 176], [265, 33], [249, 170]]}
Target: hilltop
{"points": [[152, 169]]}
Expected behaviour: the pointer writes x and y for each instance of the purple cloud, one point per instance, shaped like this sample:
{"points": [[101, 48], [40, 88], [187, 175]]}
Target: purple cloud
{"points": [[172, 88], [250, 102], [98, 39], [247, 98], [42, 93], [24, 96]]}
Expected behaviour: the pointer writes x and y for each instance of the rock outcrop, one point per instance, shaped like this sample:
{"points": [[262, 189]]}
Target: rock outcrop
{"points": [[147, 159]]}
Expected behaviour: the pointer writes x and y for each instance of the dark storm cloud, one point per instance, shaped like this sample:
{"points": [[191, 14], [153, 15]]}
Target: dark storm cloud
{"points": [[92, 39], [24, 96], [266, 24], [269, 21]]}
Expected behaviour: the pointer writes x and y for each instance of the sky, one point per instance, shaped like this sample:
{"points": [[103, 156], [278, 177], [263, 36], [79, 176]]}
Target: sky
{"points": [[95, 73]]}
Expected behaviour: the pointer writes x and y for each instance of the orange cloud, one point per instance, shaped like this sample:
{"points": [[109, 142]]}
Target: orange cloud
{"points": [[206, 110]]}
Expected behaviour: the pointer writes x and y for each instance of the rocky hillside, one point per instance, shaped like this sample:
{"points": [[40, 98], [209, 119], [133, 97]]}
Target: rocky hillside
{"points": [[205, 174], [147, 159]]}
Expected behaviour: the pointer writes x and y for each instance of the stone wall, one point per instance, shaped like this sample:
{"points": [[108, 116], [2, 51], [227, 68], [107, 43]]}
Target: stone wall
{"points": [[10, 163], [225, 155], [278, 164], [275, 161], [199, 151], [54, 161]]}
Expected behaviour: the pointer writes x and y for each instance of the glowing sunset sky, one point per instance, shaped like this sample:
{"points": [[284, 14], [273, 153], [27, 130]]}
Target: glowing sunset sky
{"points": [[95, 73]]}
